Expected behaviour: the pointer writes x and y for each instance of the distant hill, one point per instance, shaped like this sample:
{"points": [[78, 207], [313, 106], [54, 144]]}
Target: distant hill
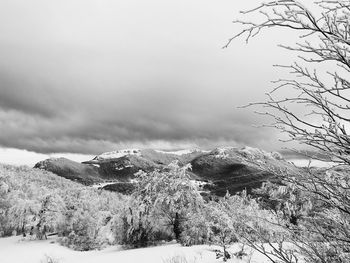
{"points": [[82, 173], [220, 170], [228, 169]]}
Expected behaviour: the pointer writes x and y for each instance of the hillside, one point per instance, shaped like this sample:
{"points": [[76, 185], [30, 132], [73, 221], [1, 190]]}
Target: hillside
{"points": [[82, 173], [235, 169], [220, 170]]}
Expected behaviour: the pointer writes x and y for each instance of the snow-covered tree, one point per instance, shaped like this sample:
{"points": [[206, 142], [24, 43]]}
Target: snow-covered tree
{"points": [[135, 226], [4, 206], [171, 194], [37, 202], [196, 229], [222, 226], [50, 214]]}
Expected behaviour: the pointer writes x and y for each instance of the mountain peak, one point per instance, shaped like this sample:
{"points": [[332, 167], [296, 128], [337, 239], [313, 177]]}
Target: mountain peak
{"points": [[117, 154], [183, 151]]}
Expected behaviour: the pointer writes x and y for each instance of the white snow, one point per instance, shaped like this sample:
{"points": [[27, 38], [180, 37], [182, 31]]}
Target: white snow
{"points": [[100, 185], [311, 163], [255, 152], [182, 152], [246, 152], [117, 154], [221, 152], [13, 250]]}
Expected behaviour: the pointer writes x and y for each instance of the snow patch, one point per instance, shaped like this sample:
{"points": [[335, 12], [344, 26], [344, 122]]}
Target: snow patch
{"points": [[101, 185], [117, 154], [255, 153], [182, 152], [311, 163], [223, 152], [245, 152]]}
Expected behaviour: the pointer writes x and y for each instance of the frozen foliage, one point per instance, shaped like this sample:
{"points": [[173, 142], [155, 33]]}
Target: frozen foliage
{"points": [[35, 203], [228, 220], [159, 206], [50, 214]]}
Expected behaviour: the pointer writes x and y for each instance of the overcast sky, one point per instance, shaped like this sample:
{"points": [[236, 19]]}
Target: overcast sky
{"points": [[88, 76]]}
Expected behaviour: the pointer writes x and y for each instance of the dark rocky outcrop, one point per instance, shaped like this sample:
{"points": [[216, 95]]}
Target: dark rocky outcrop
{"points": [[120, 187]]}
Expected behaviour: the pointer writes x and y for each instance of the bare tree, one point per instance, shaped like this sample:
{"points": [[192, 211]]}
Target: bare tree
{"points": [[323, 39], [322, 235]]}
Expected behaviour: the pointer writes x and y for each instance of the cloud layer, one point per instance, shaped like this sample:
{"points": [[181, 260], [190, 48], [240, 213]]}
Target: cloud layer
{"points": [[92, 76]]}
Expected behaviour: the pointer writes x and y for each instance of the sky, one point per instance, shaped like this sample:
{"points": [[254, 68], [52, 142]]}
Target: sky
{"points": [[89, 76]]}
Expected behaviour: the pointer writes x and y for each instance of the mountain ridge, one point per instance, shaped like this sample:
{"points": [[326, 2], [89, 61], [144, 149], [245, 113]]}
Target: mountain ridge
{"points": [[222, 169]]}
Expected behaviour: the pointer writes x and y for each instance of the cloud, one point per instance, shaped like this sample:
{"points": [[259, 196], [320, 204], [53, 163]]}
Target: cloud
{"points": [[29, 158], [81, 134], [92, 76]]}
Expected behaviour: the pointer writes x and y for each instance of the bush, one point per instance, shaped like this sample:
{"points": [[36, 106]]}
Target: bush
{"points": [[135, 227], [196, 230], [80, 231]]}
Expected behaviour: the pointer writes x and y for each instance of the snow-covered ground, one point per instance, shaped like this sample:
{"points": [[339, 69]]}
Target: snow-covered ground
{"points": [[15, 250], [311, 163]]}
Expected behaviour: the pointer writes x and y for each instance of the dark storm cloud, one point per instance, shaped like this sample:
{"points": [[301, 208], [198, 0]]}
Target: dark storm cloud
{"points": [[26, 96], [84, 134], [92, 76]]}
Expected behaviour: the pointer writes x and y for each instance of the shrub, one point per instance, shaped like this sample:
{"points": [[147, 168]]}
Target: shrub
{"points": [[196, 229], [135, 227]]}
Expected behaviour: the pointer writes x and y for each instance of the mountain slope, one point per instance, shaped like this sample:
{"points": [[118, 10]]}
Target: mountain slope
{"points": [[226, 169], [221, 170], [121, 165], [82, 173]]}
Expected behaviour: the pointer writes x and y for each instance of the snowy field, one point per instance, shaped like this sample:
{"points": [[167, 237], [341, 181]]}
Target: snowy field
{"points": [[16, 250], [311, 163]]}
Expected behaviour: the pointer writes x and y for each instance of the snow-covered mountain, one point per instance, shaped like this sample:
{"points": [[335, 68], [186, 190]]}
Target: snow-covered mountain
{"points": [[117, 154], [82, 173], [183, 151], [223, 169]]}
